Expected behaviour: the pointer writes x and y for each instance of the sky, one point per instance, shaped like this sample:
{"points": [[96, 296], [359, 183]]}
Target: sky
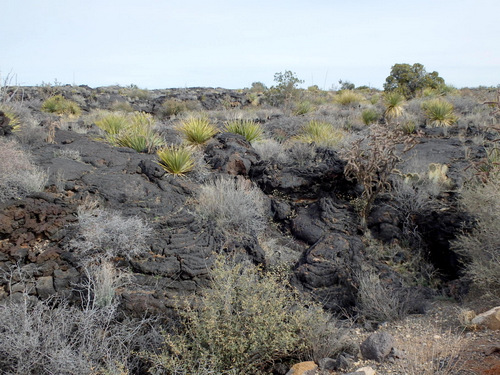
{"points": [[158, 44]]}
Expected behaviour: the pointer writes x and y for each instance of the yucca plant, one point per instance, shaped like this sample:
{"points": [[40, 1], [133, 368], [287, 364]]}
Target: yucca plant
{"points": [[348, 97], [61, 106], [249, 129], [439, 112], [14, 121], [113, 123], [197, 130], [321, 133], [176, 160], [141, 141], [393, 102], [142, 120], [369, 116], [303, 107]]}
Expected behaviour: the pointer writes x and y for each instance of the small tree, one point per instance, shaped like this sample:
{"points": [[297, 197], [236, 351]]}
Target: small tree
{"points": [[411, 79], [286, 89], [371, 161]]}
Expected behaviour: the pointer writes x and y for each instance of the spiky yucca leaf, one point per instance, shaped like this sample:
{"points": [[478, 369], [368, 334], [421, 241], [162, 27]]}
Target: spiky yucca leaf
{"points": [[439, 112], [321, 134], [249, 129], [14, 121], [177, 160], [113, 123], [197, 130], [393, 102]]}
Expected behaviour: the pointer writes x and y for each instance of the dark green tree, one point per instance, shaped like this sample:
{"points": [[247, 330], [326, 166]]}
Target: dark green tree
{"points": [[409, 80]]}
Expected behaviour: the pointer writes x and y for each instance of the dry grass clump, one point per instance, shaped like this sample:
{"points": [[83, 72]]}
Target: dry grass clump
{"points": [[19, 176], [106, 234], [431, 352], [382, 303], [234, 205], [243, 324], [272, 151]]}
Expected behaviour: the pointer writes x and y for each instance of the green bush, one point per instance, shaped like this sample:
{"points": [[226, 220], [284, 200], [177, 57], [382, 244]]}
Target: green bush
{"points": [[249, 129], [61, 106], [321, 134], [242, 324], [176, 160], [370, 116], [439, 112], [14, 120], [348, 98], [197, 130]]}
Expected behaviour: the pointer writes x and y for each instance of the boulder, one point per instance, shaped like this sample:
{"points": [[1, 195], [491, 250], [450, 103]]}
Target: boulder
{"points": [[377, 346], [303, 368], [489, 319]]}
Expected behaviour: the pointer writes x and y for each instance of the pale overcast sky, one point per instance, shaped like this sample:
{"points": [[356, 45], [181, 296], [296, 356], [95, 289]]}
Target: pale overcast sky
{"points": [[230, 44]]}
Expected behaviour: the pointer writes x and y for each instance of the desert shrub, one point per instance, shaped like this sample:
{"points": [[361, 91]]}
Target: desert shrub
{"points": [[19, 176], [177, 160], [234, 205], [379, 302], [41, 338], [371, 161], [243, 323], [133, 91], [370, 116], [439, 112], [197, 130], [141, 140], [393, 102], [106, 234], [321, 134], [61, 106], [271, 150], [481, 247], [348, 98], [121, 106], [249, 129]]}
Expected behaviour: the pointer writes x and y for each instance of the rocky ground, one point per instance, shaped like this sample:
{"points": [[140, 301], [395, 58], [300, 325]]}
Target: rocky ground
{"points": [[307, 207]]}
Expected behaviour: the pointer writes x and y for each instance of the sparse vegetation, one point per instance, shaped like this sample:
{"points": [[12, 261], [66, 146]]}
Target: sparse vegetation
{"points": [[393, 102], [370, 116], [19, 176], [348, 98]]}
